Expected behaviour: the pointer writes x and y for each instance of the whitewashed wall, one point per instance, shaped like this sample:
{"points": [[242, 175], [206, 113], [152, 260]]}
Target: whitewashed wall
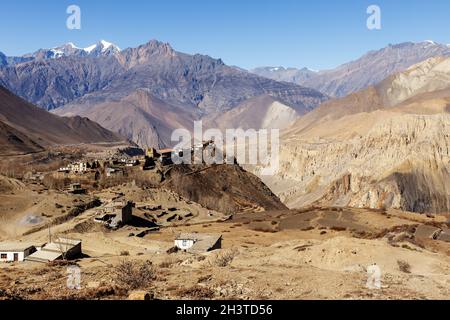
{"points": [[184, 244], [10, 256]]}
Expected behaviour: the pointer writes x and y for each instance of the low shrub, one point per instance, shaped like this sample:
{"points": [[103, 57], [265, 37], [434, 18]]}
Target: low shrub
{"points": [[404, 266], [134, 275], [223, 258]]}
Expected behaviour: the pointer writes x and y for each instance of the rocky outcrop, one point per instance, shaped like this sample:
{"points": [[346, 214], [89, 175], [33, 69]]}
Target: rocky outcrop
{"points": [[402, 163]]}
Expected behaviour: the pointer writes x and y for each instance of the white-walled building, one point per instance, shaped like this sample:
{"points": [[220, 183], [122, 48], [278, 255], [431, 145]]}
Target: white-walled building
{"points": [[198, 242], [15, 251], [78, 167], [61, 248], [184, 243]]}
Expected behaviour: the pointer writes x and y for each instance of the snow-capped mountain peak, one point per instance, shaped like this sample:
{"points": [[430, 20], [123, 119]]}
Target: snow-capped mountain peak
{"points": [[102, 48], [70, 44], [107, 44], [90, 48]]}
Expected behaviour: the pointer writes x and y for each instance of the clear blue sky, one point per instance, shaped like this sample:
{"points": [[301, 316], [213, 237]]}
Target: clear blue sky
{"points": [[316, 33]]}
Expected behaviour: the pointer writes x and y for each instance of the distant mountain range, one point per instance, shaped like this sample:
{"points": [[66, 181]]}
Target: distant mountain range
{"points": [[293, 75], [143, 83], [102, 48], [368, 70], [144, 93], [25, 128]]}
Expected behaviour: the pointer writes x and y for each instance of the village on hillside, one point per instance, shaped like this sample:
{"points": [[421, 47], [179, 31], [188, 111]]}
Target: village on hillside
{"points": [[85, 177], [196, 231]]}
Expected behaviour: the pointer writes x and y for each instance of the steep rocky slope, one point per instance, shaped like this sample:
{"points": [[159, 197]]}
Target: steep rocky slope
{"points": [[55, 82], [13, 142], [384, 147]]}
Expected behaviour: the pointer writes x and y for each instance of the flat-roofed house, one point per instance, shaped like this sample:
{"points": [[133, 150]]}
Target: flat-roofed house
{"points": [[44, 256], [15, 251], [198, 242], [62, 248]]}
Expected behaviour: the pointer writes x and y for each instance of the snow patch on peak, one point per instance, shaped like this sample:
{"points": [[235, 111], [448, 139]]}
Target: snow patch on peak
{"points": [[312, 70], [102, 46], [105, 44], [90, 48], [72, 45], [56, 53]]}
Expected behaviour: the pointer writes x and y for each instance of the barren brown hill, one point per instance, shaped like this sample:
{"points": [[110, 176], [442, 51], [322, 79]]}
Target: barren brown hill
{"points": [[28, 128], [14, 142], [224, 188]]}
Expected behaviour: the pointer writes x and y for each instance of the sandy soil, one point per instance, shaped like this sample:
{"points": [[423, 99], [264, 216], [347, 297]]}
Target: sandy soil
{"points": [[288, 263]]}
